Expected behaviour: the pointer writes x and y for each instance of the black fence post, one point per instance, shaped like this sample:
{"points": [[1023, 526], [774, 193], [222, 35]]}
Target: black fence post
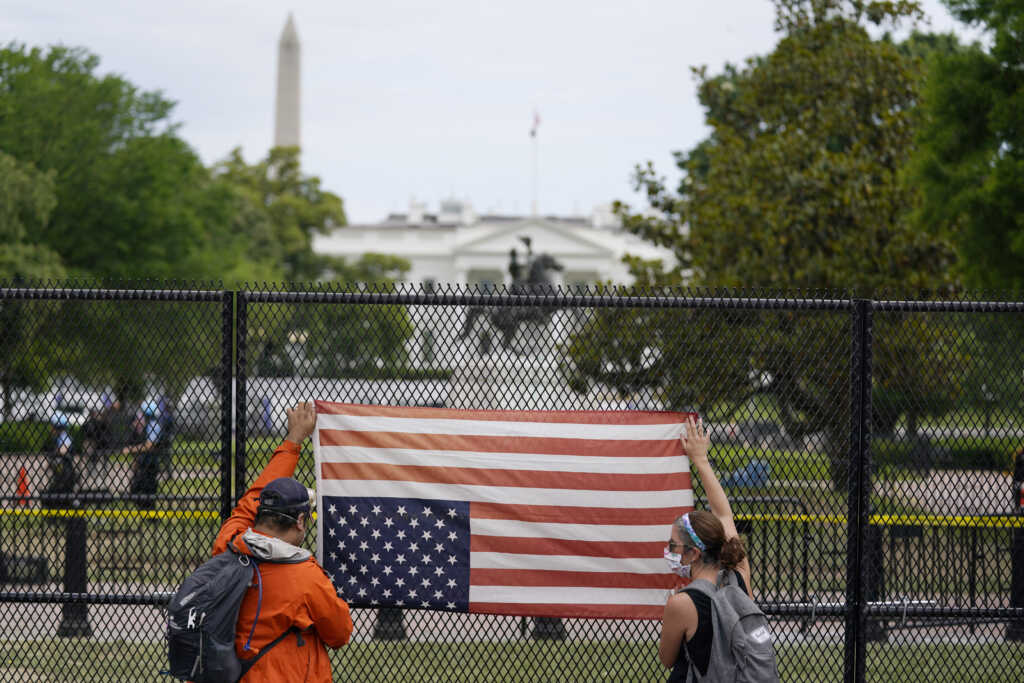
{"points": [[226, 392], [858, 494], [241, 419], [873, 552], [1015, 628], [548, 628], [74, 620], [389, 625]]}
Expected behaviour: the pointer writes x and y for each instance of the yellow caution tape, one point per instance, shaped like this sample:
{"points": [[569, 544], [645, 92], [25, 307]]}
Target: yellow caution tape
{"points": [[954, 521], [115, 514]]}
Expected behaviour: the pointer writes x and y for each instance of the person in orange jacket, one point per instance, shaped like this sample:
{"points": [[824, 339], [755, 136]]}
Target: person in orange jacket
{"points": [[293, 591]]}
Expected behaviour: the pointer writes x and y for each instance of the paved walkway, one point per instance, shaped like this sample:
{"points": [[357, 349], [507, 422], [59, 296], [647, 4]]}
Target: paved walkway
{"points": [[110, 475], [954, 492]]}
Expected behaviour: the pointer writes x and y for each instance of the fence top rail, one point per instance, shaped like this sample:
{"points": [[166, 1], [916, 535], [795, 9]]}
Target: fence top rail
{"points": [[907, 306], [557, 299], [106, 294], [470, 296]]}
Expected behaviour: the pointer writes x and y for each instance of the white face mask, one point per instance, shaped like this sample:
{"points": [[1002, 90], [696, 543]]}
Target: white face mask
{"points": [[675, 564]]}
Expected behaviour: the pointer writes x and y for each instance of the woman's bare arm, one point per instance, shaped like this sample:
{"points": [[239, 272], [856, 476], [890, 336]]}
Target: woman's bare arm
{"points": [[696, 443], [680, 619]]}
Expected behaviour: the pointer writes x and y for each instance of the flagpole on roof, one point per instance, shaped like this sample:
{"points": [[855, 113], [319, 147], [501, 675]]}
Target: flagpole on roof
{"points": [[533, 142]]}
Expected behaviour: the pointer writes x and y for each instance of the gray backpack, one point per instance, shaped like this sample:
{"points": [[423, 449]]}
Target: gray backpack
{"points": [[201, 619], [741, 649]]}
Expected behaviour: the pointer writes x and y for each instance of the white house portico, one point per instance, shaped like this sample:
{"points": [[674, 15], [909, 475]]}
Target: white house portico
{"points": [[457, 246]]}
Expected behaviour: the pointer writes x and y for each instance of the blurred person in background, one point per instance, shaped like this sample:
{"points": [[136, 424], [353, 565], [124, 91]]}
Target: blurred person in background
{"points": [[63, 475], [149, 448]]}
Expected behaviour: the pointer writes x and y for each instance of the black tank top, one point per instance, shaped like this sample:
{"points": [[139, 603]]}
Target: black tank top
{"points": [[698, 649]]}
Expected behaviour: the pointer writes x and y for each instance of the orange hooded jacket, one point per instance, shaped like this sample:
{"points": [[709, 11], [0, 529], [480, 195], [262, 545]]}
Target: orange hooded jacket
{"points": [[296, 594]]}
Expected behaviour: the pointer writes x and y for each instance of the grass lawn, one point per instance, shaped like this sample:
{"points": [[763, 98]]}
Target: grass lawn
{"points": [[87, 661], [786, 465]]}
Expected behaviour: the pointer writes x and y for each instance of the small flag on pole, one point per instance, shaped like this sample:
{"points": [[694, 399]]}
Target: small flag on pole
{"points": [[535, 513], [536, 124]]}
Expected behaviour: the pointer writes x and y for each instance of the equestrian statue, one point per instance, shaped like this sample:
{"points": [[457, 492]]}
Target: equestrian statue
{"points": [[531, 277]]}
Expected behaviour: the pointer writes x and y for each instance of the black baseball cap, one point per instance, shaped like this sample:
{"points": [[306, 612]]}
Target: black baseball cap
{"points": [[284, 494]]}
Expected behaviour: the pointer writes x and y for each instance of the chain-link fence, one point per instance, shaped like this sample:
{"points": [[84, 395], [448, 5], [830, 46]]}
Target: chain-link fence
{"points": [[870, 450]]}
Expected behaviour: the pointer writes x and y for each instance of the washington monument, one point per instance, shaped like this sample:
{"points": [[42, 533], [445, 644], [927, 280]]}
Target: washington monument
{"points": [[286, 118]]}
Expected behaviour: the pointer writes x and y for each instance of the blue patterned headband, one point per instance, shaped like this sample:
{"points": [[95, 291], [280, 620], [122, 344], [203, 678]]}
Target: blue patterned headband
{"points": [[693, 534]]}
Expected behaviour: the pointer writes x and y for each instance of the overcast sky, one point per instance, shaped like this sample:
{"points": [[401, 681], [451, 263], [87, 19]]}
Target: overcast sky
{"points": [[405, 99]]}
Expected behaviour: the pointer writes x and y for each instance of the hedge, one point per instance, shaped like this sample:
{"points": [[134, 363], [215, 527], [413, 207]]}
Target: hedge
{"points": [[960, 453]]}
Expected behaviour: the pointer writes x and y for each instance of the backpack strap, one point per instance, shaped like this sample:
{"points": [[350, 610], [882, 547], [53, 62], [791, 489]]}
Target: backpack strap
{"points": [[250, 663], [247, 664], [701, 586]]}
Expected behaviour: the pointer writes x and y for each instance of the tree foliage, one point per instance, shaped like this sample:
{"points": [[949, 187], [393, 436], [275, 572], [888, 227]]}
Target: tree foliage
{"points": [[279, 211], [26, 201], [125, 185], [95, 183], [970, 156], [338, 340], [133, 200], [797, 188]]}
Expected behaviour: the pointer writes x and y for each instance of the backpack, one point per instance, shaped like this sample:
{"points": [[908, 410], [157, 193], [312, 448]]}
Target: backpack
{"points": [[63, 480], [202, 616], [741, 649]]}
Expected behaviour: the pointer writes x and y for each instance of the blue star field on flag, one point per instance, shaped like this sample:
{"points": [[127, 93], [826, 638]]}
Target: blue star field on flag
{"points": [[400, 552]]}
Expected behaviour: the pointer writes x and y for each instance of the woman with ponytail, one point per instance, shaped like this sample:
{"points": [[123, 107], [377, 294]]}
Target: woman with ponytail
{"points": [[703, 545]]}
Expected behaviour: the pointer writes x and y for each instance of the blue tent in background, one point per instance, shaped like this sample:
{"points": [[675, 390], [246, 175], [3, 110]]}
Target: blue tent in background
{"points": [[754, 473]]}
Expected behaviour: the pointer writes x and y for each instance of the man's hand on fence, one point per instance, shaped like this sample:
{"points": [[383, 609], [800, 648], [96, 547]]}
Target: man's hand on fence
{"points": [[301, 422]]}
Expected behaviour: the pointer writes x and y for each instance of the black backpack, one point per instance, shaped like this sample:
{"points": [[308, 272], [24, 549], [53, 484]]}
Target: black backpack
{"points": [[64, 480], [202, 616]]}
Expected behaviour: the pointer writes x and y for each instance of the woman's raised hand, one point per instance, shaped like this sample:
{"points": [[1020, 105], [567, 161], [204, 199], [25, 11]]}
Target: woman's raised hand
{"points": [[696, 441]]}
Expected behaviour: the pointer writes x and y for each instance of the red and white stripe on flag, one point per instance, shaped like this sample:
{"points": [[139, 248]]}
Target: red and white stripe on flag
{"points": [[569, 511]]}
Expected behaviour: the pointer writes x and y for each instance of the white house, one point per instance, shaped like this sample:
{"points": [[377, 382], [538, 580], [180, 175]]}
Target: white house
{"points": [[455, 245]]}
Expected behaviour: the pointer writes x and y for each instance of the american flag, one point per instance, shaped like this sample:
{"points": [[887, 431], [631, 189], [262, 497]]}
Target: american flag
{"points": [[537, 513]]}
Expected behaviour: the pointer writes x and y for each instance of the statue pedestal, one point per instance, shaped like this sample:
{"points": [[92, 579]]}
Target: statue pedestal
{"points": [[525, 376], [503, 380]]}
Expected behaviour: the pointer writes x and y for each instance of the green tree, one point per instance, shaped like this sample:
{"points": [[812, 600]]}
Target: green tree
{"points": [[26, 201], [126, 186], [970, 153], [796, 188], [132, 200], [279, 210], [333, 340], [363, 341]]}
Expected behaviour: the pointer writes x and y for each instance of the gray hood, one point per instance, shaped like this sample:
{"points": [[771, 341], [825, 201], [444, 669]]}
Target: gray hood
{"points": [[268, 549]]}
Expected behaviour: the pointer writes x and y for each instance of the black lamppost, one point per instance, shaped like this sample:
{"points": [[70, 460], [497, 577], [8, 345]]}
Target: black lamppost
{"points": [[74, 621]]}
